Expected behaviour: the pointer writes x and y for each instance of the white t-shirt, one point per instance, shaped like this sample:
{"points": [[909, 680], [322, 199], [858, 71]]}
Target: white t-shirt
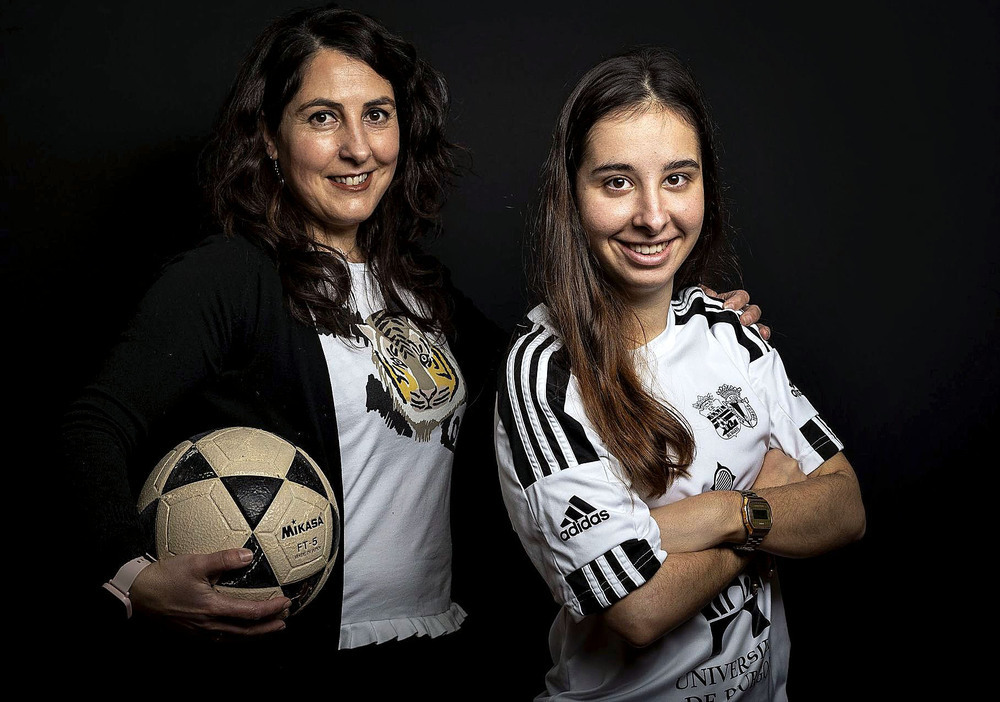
{"points": [[593, 539], [400, 398]]}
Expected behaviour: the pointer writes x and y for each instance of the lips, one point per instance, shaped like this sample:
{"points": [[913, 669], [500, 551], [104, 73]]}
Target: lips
{"points": [[646, 254], [355, 183], [648, 248]]}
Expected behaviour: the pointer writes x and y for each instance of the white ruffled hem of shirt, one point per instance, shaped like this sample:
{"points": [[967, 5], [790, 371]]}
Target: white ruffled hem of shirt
{"points": [[433, 625]]}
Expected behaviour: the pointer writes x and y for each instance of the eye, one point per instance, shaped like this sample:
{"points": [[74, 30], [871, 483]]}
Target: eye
{"points": [[378, 116], [324, 118], [618, 183], [676, 180]]}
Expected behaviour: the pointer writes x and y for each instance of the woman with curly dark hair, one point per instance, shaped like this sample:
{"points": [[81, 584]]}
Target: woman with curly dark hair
{"points": [[326, 173], [283, 203]]}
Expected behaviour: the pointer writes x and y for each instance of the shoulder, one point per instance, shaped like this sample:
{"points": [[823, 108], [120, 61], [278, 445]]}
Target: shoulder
{"points": [[533, 356], [537, 322], [219, 263], [698, 313], [531, 336], [220, 274], [222, 254], [692, 303]]}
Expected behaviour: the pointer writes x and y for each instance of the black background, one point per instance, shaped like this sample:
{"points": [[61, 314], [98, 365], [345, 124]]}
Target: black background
{"points": [[860, 148]]}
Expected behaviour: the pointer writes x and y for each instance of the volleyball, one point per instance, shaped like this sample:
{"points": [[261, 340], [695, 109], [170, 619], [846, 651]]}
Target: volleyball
{"points": [[240, 487]]}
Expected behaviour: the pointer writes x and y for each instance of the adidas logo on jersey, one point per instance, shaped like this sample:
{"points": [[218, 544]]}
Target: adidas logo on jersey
{"points": [[580, 516]]}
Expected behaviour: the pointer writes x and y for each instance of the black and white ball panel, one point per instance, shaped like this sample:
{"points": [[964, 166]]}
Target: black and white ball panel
{"points": [[193, 515]]}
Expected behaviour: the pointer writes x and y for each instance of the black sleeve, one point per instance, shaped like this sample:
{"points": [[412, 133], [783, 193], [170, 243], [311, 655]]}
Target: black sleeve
{"points": [[183, 331]]}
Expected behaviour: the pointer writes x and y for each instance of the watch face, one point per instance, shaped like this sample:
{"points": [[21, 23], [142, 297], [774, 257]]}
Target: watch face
{"points": [[760, 515]]}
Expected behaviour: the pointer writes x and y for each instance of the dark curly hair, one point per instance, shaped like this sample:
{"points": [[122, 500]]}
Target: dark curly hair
{"points": [[246, 195]]}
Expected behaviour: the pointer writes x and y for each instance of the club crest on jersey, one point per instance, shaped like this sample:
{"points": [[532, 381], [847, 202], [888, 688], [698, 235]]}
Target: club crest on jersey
{"points": [[728, 410]]}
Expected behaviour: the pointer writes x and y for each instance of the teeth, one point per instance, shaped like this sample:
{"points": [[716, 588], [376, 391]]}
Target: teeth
{"points": [[351, 180], [644, 249]]}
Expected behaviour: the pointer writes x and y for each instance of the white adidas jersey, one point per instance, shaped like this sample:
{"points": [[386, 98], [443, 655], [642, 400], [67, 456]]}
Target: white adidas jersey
{"points": [[593, 539]]}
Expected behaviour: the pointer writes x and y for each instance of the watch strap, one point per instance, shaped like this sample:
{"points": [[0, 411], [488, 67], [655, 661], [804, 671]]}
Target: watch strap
{"points": [[120, 585]]}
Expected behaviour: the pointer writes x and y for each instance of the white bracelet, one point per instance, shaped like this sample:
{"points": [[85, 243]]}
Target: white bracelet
{"points": [[120, 585]]}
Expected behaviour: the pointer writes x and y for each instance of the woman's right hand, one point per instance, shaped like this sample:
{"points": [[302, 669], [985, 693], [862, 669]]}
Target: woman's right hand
{"points": [[179, 590]]}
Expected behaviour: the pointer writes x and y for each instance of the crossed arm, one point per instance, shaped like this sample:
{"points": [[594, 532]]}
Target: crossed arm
{"points": [[811, 515]]}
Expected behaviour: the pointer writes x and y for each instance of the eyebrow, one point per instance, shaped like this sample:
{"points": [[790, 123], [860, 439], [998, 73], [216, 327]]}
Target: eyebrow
{"points": [[323, 102], [627, 168]]}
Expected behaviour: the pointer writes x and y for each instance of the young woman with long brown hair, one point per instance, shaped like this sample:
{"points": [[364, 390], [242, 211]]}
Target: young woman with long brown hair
{"points": [[653, 454]]}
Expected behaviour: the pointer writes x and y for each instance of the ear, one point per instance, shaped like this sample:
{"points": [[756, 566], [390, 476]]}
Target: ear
{"points": [[270, 143]]}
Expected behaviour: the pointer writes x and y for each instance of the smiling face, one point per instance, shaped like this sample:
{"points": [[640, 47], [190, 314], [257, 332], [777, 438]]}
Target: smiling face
{"points": [[641, 200], [337, 145]]}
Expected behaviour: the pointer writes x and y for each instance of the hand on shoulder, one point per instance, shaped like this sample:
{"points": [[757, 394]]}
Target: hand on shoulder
{"points": [[739, 300]]}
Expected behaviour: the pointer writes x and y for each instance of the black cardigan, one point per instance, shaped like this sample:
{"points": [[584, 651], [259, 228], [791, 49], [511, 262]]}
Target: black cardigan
{"points": [[213, 345]]}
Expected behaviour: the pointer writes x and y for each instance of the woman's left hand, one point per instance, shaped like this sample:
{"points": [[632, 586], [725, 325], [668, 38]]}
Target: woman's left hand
{"points": [[740, 300], [778, 469]]}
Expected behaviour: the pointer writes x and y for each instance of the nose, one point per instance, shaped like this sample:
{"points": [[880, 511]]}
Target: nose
{"points": [[651, 214], [354, 144]]}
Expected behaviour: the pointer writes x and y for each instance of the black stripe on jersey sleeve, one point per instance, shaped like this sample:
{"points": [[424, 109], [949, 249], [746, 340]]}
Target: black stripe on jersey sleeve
{"points": [[602, 582], [550, 436], [518, 450], [554, 427], [589, 604], [697, 307], [522, 401], [819, 439], [555, 391], [624, 578], [639, 553]]}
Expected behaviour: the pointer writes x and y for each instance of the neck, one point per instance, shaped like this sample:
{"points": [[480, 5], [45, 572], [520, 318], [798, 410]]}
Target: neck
{"points": [[345, 242], [649, 316]]}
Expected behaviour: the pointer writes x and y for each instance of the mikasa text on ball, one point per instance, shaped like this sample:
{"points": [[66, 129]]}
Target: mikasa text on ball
{"points": [[246, 488]]}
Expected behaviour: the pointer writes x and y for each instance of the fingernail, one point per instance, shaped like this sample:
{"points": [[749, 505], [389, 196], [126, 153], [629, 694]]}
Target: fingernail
{"points": [[246, 555]]}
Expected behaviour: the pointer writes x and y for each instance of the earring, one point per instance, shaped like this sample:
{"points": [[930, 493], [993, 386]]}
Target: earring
{"points": [[277, 172]]}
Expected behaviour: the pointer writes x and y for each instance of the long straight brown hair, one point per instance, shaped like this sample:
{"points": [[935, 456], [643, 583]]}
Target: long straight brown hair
{"points": [[651, 440], [247, 195]]}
